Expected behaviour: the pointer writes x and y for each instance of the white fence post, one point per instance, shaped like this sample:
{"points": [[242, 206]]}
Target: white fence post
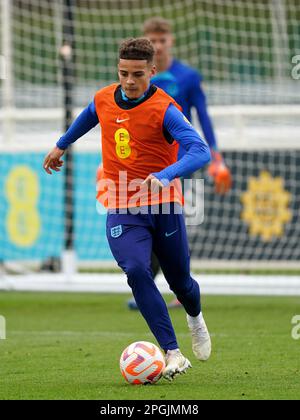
{"points": [[281, 40], [7, 82]]}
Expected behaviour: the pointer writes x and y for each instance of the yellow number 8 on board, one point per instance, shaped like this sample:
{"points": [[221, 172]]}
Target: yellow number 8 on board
{"points": [[22, 221]]}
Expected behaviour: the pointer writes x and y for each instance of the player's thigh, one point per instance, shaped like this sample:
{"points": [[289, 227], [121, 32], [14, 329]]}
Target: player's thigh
{"points": [[131, 245], [170, 244]]}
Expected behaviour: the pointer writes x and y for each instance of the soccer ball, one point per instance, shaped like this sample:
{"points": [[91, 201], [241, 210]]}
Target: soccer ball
{"points": [[142, 363]]}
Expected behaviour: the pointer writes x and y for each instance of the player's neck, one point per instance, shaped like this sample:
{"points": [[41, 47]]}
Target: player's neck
{"points": [[136, 100], [164, 64]]}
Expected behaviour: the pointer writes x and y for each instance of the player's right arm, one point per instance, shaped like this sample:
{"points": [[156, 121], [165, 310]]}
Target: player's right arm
{"points": [[81, 125], [197, 151]]}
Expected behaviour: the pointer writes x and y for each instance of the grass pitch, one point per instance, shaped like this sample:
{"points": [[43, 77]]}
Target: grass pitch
{"points": [[67, 346]]}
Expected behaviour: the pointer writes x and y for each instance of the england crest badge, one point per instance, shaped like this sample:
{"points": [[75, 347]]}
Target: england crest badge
{"points": [[116, 231]]}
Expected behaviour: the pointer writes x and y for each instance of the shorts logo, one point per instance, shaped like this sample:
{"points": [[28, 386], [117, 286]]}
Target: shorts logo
{"points": [[116, 231], [170, 234]]}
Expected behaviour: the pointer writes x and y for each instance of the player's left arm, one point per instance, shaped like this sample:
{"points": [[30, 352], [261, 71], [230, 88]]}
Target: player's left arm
{"points": [[218, 169], [197, 151]]}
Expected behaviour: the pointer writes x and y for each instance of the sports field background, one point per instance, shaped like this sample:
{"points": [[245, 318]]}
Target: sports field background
{"points": [[67, 346], [232, 43], [99, 26]]}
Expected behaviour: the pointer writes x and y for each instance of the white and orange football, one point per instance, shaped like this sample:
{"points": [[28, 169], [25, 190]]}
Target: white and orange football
{"points": [[142, 363]]}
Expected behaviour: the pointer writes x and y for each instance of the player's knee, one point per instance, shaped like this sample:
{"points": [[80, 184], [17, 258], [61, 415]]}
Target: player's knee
{"points": [[136, 272]]}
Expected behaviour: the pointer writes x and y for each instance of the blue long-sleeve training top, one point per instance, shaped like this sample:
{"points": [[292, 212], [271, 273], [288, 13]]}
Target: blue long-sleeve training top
{"points": [[184, 84], [197, 152]]}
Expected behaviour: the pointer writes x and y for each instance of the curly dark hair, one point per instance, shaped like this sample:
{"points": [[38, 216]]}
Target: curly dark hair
{"points": [[136, 49]]}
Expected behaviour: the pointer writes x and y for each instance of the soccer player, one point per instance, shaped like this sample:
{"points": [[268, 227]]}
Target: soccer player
{"points": [[184, 84], [141, 190]]}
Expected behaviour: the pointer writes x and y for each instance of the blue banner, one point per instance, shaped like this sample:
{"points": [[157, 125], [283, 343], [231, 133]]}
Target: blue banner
{"points": [[32, 221]]}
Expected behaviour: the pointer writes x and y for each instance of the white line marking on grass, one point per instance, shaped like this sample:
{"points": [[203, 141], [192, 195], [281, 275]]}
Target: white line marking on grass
{"points": [[97, 333]]}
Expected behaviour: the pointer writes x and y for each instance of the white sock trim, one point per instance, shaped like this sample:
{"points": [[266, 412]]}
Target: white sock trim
{"points": [[173, 351], [193, 321]]}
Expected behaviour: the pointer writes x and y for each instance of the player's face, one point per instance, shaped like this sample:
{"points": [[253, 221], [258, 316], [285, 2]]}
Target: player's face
{"points": [[162, 43], [134, 76]]}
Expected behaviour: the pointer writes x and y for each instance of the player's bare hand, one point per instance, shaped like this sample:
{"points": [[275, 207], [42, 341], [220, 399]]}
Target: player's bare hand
{"points": [[154, 185], [53, 160]]}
